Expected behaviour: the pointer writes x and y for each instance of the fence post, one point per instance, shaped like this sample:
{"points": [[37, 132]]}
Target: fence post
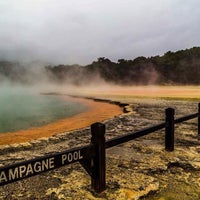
{"points": [[169, 129], [99, 165]]}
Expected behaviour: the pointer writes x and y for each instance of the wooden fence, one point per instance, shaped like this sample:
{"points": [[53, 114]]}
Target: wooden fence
{"points": [[93, 156]]}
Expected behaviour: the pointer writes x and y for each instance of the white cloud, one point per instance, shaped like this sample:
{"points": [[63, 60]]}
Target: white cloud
{"points": [[80, 31]]}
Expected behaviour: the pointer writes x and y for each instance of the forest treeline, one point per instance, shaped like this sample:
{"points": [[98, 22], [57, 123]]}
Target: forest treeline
{"points": [[180, 67]]}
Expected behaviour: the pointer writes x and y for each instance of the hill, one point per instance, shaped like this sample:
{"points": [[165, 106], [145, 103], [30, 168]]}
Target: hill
{"points": [[180, 67]]}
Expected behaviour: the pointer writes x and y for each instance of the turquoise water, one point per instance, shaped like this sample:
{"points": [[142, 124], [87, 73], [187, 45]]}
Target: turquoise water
{"points": [[19, 110]]}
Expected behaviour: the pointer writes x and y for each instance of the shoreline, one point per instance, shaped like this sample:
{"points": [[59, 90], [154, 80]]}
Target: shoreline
{"points": [[97, 111]]}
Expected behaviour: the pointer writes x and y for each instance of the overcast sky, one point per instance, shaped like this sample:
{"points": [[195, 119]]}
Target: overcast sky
{"points": [[68, 32]]}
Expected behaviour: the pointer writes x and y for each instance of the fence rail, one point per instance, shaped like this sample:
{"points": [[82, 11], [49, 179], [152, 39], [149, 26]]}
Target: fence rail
{"points": [[186, 118], [131, 136], [93, 156]]}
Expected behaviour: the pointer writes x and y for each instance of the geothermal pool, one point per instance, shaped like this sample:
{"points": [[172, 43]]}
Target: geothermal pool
{"points": [[20, 110]]}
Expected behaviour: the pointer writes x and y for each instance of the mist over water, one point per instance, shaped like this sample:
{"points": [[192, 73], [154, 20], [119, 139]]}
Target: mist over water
{"points": [[23, 105], [22, 108]]}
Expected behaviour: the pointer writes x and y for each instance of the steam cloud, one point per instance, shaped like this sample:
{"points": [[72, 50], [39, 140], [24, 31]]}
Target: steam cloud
{"points": [[65, 32]]}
